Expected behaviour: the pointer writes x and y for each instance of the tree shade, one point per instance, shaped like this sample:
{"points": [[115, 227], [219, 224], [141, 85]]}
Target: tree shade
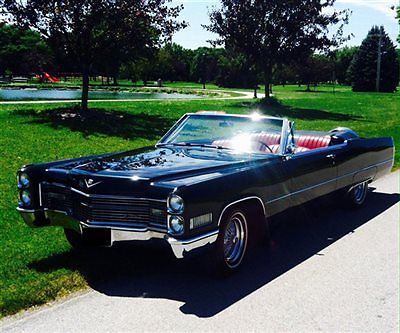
{"points": [[98, 33]]}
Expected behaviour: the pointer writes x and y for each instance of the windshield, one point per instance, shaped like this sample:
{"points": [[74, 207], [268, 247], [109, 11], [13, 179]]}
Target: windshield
{"points": [[243, 134]]}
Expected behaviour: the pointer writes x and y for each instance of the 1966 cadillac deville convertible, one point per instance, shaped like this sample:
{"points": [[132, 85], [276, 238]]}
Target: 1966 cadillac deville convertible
{"points": [[208, 181]]}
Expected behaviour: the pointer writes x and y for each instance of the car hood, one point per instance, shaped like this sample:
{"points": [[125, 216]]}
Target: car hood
{"points": [[160, 163]]}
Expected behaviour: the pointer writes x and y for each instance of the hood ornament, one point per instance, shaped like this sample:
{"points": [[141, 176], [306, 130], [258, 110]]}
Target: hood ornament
{"points": [[90, 183]]}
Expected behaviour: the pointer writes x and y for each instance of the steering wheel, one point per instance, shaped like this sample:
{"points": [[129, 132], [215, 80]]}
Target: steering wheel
{"points": [[264, 145]]}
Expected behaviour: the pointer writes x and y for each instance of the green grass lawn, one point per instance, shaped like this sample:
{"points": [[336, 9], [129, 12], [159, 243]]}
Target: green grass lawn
{"points": [[34, 133]]}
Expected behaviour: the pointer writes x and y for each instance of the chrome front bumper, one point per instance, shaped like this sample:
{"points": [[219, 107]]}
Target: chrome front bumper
{"points": [[180, 248]]}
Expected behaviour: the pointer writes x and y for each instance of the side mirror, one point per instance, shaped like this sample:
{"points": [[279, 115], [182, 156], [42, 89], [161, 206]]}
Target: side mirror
{"points": [[291, 148], [291, 130], [291, 145]]}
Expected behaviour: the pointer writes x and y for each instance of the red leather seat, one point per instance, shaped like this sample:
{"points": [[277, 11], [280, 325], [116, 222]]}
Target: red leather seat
{"points": [[222, 143], [267, 138], [313, 141], [271, 140], [274, 148], [301, 150]]}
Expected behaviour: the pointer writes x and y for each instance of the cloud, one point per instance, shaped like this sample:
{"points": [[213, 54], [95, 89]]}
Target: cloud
{"points": [[383, 6]]}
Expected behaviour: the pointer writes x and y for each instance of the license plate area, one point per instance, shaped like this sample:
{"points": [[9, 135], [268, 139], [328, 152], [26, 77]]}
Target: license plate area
{"points": [[97, 236]]}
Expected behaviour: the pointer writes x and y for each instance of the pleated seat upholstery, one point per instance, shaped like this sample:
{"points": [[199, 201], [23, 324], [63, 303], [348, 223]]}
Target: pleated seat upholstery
{"points": [[313, 141]]}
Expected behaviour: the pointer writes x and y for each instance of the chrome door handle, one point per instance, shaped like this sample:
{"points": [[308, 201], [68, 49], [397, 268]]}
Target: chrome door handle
{"points": [[332, 158]]}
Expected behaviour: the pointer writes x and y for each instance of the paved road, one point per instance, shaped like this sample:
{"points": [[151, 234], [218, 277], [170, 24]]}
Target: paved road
{"points": [[329, 269]]}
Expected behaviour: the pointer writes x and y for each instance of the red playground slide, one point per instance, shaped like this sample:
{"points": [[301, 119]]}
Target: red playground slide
{"points": [[50, 78]]}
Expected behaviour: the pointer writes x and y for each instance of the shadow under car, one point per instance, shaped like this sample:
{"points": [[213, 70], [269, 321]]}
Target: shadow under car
{"points": [[152, 272]]}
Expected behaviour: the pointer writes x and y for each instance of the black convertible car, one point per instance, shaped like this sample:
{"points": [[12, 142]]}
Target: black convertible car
{"points": [[209, 181]]}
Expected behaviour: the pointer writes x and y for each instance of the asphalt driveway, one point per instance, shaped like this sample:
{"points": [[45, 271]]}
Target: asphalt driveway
{"points": [[329, 269]]}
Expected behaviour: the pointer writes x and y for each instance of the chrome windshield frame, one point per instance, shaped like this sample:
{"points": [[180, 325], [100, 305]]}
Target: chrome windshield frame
{"points": [[181, 121]]}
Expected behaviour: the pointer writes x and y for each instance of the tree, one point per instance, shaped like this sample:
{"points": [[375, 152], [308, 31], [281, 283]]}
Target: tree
{"points": [[174, 62], [22, 51], [236, 72], [272, 32], [287, 74], [375, 66], [398, 17], [316, 69], [91, 30], [343, 58], [205, 64]]}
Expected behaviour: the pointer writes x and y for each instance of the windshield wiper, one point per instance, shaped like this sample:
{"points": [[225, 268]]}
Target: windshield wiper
{"points": [[189, 144]]}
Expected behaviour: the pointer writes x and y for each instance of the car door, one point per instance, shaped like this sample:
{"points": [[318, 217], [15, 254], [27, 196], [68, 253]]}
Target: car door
{"points": [[313, 172]]}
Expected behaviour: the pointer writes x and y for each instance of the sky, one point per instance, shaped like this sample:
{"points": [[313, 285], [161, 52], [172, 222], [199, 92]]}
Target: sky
{"points": [[365, 14]]}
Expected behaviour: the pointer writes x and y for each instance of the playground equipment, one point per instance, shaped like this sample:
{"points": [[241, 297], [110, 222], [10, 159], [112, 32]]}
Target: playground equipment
{"points": [[50, 78]]}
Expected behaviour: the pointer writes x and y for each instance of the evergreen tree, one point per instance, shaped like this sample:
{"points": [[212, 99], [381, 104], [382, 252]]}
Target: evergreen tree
{"points": [[22, 51], [363, 70], [343, 58], [398, 17]]}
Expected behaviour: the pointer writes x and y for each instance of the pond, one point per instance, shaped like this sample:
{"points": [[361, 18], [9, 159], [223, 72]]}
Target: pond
{"points": [[50, 94]]}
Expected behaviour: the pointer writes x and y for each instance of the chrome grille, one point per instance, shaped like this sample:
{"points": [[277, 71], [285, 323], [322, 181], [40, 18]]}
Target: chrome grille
{"points": [[56, 197], [104, 210]]}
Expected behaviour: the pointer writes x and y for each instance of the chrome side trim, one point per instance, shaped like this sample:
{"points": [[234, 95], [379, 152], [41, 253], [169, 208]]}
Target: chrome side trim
{"points": [[330, 181], [237, 201]]}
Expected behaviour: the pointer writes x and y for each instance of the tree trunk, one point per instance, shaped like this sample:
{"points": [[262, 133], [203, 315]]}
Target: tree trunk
{"points": [[267, 81], [115, 80], [85, 88], [267, 88], [255, 91]]}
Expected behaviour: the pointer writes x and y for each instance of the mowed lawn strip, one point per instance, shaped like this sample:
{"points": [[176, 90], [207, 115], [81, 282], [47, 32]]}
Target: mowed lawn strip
{"points": [[29, 134]]}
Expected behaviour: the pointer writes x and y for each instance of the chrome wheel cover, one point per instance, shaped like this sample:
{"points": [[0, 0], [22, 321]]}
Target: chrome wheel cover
{"points": [[360, 192], [235, 240]]}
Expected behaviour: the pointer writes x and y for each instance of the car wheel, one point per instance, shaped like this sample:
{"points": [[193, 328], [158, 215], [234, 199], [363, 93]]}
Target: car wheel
{"points": [[232, 242], [356, 195]]}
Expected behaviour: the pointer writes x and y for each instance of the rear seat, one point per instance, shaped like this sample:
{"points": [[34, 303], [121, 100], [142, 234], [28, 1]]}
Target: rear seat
{"points": [[312, 141]]}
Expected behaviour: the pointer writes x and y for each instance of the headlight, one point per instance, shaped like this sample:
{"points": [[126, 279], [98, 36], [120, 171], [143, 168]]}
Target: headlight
{"points": [[23, 180], [175, 203], [25, 197], [176, 225]]}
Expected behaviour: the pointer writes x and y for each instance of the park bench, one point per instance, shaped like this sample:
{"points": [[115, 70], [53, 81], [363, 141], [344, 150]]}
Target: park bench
{"points": [[19, 79]]}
